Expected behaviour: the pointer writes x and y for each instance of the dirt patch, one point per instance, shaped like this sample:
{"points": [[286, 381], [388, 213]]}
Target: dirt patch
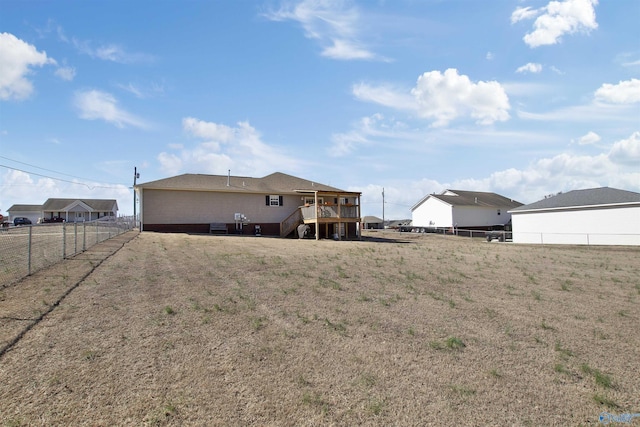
{"points": [[397, 329]]}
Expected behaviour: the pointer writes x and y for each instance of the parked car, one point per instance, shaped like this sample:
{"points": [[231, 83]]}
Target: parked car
{"points": [[502, 232], [53, 219], [20, 220]]}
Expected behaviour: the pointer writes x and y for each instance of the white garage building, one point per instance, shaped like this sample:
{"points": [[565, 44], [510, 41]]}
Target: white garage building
{"points": [[596, 216], [462, 210]]}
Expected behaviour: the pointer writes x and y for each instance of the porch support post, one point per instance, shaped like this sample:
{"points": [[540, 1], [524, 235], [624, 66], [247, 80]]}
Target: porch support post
{"points": [[315, 203], [339, 216]]}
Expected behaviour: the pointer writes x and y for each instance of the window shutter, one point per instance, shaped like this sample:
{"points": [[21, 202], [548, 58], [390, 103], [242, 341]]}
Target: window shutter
{"points": [[267, 199], [280, 200]]}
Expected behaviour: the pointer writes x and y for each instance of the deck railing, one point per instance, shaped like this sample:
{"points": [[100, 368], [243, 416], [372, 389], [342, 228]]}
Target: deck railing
{"points": [[290, 223], [330, 211]]}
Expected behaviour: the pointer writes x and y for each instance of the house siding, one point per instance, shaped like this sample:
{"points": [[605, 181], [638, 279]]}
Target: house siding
{"points": [[479, 217], [432, 213], [597, 226], [193, 211]]}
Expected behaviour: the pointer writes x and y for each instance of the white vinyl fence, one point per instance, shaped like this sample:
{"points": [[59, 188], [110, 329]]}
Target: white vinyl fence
{"points": [[27, 249]]}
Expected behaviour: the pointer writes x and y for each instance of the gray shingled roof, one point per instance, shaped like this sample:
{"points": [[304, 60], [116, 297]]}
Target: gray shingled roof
{"points": [[582, 198], [278, 183], [473, 198], [25, 208], [58, 205]]}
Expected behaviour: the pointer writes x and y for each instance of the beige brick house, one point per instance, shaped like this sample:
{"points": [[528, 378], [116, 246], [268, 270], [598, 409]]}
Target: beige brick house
{"points": [[274, 205]]}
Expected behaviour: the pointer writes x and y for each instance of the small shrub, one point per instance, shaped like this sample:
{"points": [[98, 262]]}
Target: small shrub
{"points": [[169, 310]]}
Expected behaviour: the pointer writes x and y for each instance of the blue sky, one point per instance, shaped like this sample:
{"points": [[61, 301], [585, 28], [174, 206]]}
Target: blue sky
{"points": [[524, 98]]}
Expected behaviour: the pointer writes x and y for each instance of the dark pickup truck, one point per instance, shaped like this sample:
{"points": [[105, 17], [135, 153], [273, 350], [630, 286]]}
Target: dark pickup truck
{"points": [[501, 232]]}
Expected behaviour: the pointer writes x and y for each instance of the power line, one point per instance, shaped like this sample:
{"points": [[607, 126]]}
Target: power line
{"points": [[90, 187], [48, 170]]}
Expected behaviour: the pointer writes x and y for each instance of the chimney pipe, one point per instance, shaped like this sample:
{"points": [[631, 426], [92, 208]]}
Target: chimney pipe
{"points": [[229, 177]]}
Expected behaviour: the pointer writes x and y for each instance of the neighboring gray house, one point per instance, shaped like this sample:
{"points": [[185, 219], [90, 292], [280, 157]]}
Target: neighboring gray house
{"points": [[462, 209], [70, 210], [33, 212], [277, 203], [372, 223], [595, 216]]}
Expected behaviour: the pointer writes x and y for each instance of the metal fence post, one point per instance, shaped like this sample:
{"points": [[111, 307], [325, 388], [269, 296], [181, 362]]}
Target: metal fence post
{"points": [[97, 233], [84, 236], [29, 252], [64, 240], [75, 237]]}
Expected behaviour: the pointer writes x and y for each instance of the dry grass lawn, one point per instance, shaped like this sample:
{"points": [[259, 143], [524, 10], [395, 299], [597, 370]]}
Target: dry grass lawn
{"points": [[396, 329]]}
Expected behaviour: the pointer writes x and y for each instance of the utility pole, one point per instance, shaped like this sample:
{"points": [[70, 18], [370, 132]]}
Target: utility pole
{"points": [[383, 208], [136, 175]]}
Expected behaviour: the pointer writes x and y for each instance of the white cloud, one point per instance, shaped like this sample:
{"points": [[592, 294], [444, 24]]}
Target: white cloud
{"points": [[110, 52], [66, 73], [384, 95], [625, 92], [142, 92], [23, 188], [522, 13], [367, 127], [530, 68], [556, 70], [588, 139], [593, 112], [330, 22], [445, 97], [490, 56], [558, 18], [223, 147], [627, 151], [16, 59], [563, 172], [98, 105]]}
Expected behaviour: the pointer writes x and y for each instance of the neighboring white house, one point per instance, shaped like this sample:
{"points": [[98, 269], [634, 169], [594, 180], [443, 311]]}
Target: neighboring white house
{"points": [[372, 223], [70, 210], [462, 209], [596, 216], [33, 212]]}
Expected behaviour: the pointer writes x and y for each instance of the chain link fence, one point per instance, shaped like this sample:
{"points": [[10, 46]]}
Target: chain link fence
{"points": [[27, 249]]}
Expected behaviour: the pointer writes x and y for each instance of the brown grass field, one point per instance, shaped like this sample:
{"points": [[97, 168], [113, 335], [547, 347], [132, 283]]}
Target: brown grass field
{"points": [[393, 330]]}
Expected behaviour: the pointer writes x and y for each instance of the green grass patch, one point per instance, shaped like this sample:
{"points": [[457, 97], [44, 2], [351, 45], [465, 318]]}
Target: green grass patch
{"points": [[602, 379]]}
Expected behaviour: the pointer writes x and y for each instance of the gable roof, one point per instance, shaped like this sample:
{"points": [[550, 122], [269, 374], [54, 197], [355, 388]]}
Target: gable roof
{"points": [[100, 205], [276, 183], [25, 208], [472, 198], [591, 197]]}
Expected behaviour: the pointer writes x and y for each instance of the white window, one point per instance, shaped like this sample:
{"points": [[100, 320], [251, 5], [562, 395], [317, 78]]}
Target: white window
{"points": [[274, 200]]}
